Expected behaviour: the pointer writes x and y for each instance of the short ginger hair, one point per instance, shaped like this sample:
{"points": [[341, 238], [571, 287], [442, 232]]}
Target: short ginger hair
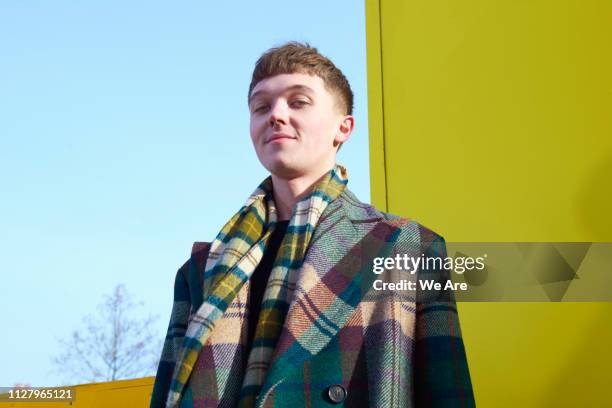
{"points": [[295, 57]]}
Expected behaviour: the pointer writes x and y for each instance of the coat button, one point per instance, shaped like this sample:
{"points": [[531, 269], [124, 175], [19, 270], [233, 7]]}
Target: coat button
{"points": [[336, 393]]}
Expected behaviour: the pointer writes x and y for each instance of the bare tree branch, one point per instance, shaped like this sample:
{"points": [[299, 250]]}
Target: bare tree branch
{"points": [[112, 345]]}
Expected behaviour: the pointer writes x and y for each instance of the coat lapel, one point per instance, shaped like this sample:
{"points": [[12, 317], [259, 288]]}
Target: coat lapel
{"points": [[330, 285]]}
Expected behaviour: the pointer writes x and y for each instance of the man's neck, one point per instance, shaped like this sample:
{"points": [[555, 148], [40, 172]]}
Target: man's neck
{"points": [[289, 192]]}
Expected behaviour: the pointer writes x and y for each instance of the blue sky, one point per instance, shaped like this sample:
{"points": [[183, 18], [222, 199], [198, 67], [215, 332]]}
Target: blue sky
{"points": [[124, 138]]}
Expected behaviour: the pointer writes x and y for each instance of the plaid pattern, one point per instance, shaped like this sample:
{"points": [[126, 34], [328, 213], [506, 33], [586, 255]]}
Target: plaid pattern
{"points": [[388, 352], [233, 256]]}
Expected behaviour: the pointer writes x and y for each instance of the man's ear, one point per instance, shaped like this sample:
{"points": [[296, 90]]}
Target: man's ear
{"points": [[345, 128]]}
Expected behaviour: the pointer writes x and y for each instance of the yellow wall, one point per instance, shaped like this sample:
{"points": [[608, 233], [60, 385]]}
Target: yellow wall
{"points": [[115, 394], [491, 121]]}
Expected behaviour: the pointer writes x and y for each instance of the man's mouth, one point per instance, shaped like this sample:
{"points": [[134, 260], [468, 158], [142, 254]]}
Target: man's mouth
{"points": [[279, 137]]}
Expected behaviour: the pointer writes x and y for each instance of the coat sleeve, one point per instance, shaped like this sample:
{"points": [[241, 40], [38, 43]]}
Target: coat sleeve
{"points": [[441, 376], [187, 298], [174, 337]]}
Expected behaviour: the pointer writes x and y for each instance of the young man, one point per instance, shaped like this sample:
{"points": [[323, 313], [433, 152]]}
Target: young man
{"points": [[278, 310]]}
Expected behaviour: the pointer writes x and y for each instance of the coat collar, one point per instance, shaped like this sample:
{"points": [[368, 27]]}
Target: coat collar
{"points": [[329, 286]]}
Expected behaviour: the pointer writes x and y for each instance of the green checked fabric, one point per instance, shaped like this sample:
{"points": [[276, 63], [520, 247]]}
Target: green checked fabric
{"points": [[212, 363], [338, 333]]}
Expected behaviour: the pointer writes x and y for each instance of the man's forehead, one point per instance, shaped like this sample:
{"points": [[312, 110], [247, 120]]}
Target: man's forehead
{"points": [[287, 82]]}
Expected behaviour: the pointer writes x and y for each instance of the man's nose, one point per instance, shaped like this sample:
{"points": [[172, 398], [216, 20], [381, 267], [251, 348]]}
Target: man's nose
{"points": [[278, 113]]}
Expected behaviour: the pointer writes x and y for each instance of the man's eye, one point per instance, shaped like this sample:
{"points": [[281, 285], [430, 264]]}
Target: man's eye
{"points": [[260, 108], [299, 102]]}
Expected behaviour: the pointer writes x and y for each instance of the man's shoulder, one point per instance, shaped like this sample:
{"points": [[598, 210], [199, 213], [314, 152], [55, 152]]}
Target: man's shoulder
{"points": [[410, 229]]}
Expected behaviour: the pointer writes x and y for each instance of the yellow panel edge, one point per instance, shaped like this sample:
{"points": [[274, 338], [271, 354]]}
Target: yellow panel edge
{"points": [[378, 183]]}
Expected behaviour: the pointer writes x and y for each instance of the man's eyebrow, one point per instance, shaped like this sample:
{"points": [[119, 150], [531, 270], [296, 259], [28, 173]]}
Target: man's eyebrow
{"points": [[297, 87]]}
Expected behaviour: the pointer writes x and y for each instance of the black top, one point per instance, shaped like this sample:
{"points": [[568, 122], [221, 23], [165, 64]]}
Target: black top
{"points": [[259, 279]]}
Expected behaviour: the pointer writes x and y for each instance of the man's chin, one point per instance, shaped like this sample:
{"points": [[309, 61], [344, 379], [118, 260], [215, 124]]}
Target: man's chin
{"points": [[285, 170]]}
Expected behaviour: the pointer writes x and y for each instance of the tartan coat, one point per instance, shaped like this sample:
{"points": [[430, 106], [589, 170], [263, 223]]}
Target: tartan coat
{"points": [[339, 346]]}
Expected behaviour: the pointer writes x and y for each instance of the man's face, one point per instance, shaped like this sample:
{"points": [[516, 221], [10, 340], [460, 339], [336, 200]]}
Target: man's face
{"points": [[296, 126]]}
